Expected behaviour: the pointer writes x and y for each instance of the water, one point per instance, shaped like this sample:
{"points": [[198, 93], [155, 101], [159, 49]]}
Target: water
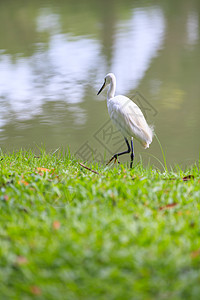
{"points": [[54, 56]]}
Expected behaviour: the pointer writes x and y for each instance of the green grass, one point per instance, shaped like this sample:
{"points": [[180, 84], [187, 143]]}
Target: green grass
{"points": [[68, 233]]}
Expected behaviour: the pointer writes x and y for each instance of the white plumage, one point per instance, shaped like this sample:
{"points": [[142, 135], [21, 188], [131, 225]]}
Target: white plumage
{"points": [[127, 117]]}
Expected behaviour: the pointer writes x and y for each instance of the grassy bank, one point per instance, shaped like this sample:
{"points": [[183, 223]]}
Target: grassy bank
{"points": [[67, 233]]}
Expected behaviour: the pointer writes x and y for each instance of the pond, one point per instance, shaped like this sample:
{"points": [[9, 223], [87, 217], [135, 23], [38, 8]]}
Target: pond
{"points": [[54, 56]]}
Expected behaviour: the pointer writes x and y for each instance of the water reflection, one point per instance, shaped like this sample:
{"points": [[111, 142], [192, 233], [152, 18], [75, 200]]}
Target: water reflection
{"points": [[193, 28], [58, 73], [48, 85], [64, 69], [137, 42]]}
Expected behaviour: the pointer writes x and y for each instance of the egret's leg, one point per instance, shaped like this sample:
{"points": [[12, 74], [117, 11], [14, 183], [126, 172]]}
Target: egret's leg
{"points": [[132, 154], [121, 153]]}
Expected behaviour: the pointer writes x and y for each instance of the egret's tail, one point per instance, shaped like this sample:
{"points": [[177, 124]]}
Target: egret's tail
{"points": [[146, 145], [150, 137]]}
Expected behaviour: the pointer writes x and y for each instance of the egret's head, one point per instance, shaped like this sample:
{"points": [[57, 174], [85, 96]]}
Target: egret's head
{"points": [[110, 77]]}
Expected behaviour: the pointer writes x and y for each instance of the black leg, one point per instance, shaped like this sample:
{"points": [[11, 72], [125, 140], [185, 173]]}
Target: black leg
{"points": [[132, 154], [121, 153]]}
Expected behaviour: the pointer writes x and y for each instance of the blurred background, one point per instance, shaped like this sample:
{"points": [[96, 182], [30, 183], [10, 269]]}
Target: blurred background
{"points": [[53, 59]]}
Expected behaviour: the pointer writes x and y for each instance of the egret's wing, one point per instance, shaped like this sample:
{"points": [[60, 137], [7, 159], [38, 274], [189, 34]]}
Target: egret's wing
{"points": [[129, 118], [137, 119], [134, 114]]}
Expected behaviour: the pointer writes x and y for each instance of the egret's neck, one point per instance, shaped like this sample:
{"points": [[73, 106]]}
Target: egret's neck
{"points": [[112, 88]]}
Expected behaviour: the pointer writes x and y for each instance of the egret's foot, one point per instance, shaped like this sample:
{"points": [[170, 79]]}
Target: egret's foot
{"points": [[116, 160], [116, 155], [113, 157]]}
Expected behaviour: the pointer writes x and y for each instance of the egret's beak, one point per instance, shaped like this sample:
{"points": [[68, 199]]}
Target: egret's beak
{"points": [[101, 89]]}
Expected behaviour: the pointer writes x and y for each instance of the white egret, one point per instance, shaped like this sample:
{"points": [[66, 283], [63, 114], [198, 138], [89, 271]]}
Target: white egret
{"points": [[127, 117]]}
